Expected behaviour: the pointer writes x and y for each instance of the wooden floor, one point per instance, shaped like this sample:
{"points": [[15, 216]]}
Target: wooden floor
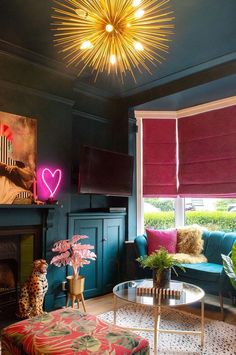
{"points": [[104, 304]]}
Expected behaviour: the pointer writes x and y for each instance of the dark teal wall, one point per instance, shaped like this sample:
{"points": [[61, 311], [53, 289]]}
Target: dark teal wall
{"points": [[66, 117]]}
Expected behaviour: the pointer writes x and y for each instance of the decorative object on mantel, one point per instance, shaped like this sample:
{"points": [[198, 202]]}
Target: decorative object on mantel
{"points": [[49, 180], [33, 291], [113, 35], [17, 159], [161, 262], [76, 255]]}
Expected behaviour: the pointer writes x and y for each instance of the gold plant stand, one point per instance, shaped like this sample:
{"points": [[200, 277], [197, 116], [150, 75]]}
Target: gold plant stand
{"points": [[75, 292]]}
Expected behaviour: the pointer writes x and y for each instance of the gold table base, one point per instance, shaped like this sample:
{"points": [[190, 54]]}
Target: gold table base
{"points": [[157, 317]]}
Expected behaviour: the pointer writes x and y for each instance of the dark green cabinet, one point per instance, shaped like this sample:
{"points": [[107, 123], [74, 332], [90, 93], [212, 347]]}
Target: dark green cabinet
{"points": [[106, 231]]}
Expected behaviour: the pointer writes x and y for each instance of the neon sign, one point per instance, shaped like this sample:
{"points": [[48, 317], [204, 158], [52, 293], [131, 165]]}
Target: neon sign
{"points": [[51, 180]]}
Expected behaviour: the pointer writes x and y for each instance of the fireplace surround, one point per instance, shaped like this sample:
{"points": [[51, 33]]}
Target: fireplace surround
{"points": [[25, 232], [19, 246]]}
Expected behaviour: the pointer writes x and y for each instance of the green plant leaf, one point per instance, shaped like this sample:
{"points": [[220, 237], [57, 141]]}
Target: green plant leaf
{"points": [[159, 260], [233, 257], [229, 269]]}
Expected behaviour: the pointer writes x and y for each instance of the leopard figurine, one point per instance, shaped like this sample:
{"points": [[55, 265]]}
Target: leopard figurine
{"points": [[33, 291]]}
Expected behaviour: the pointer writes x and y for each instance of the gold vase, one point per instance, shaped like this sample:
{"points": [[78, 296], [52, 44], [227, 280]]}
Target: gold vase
{"points": [[76, 286]]}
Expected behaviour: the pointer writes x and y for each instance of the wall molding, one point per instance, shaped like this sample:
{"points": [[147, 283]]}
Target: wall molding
{"points": [[210, 106], [190, 111], [83, 88], [36, 92], [180, 74], [155, 114], [91, 116], [53, 66], [38, 60]]}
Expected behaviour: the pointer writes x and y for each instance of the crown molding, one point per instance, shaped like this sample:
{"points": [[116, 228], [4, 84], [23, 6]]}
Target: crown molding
{"points": [[36, 92], [34, 58], [188, 112], [52, 65], [180, 74], [92, 91], [170, 115], [210, 106], [89, 116]]}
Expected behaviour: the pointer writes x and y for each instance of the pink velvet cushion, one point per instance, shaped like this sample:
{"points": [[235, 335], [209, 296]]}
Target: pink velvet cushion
{"points": [[161, 238]]}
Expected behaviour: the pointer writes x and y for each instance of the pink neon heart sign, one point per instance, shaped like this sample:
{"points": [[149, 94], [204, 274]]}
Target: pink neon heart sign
{"points": [[51, 180]]}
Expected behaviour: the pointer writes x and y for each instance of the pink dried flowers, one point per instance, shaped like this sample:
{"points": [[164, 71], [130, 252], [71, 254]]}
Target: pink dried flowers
{"points": [[73, 253]]}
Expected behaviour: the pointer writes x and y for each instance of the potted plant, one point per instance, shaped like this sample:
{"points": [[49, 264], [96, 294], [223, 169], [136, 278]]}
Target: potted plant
{"points": [[229, 264], [75, 254], [161, 262]]}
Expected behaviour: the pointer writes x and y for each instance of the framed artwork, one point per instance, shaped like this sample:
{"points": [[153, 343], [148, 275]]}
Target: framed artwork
{"points": [[17, 159]]}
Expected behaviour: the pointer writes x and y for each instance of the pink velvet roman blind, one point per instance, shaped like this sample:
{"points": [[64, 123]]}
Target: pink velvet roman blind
{"points": [[159, 157], [207, 153]]}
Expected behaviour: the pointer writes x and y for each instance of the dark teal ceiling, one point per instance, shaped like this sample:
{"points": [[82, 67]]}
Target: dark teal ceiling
{"points": [[204, 43]]}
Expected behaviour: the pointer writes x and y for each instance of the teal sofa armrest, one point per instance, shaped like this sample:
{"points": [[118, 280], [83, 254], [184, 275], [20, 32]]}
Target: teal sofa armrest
{"points": [[140, 243]]}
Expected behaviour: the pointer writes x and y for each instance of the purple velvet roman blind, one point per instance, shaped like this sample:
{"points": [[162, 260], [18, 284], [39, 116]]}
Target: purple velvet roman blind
{"points": [[207, 153], [159, 157]]}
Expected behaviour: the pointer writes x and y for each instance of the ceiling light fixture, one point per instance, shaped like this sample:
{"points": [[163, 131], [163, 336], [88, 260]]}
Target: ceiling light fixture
{"points": [[113, 35]]}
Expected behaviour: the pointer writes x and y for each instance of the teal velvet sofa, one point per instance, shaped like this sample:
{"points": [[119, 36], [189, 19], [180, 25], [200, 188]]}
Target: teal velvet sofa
{"points": [[210, 275]]}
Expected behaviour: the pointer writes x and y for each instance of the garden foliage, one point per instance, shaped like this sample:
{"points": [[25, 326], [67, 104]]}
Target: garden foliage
{"points": [[218, 220]]}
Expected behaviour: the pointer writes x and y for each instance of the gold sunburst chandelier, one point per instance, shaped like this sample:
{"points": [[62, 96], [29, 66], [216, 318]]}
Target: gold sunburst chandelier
{"points": [[112, 35]]}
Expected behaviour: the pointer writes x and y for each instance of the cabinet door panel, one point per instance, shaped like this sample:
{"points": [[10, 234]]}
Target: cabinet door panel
{"points": [[113, 244], [93, 271]]}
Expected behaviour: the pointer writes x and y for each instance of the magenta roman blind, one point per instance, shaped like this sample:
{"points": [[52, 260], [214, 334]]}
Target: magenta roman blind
{"points": [[207, 153], [159, 157]]}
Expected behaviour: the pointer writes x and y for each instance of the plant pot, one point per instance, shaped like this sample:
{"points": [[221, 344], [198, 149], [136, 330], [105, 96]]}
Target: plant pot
{"points": [[76, 286], [161, 279]]}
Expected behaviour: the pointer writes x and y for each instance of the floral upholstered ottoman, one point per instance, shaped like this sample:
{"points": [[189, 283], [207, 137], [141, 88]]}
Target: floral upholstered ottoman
{"points": [[68, 331]]}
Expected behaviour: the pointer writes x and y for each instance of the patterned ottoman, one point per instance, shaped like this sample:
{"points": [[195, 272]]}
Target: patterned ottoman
{"points": [[68, 331]]}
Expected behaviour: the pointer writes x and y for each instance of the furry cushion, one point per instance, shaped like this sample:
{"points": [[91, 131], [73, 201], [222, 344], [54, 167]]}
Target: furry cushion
{"points": [[189, 259], [189, 240]]}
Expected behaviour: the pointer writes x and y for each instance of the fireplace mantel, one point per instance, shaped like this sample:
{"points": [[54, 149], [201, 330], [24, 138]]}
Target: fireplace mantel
{"points": [[22, 215]]}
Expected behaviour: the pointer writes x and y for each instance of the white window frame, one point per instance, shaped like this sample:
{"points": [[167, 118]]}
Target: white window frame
{"points": [[179, 202], [141, 115]]}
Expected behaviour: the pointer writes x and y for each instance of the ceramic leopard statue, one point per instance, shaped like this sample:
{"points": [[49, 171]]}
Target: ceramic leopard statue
{"points": [[33, 291]]}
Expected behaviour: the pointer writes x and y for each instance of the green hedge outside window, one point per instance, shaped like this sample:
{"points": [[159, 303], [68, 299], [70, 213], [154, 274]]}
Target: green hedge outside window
{"points": [[218, 220]]}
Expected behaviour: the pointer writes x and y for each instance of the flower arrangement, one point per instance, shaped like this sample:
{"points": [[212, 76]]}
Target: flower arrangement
{"points": [[73, 253]]}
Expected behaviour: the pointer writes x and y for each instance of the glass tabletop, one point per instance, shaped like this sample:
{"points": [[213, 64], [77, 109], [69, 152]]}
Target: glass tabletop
{"points": [[187, 293]]}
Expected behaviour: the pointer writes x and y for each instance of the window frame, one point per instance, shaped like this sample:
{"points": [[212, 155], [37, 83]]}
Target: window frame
{"points": [[140, 115]]}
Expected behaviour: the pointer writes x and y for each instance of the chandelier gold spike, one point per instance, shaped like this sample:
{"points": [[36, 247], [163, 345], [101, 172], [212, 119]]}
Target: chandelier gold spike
{"points": [[112, 35]]}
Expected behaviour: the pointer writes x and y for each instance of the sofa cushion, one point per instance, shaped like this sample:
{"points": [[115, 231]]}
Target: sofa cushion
{"points": [[157, 239], [201, 271], [189, 240]]}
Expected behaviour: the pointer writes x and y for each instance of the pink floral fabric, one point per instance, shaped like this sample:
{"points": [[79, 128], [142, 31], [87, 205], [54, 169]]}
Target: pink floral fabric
{"points": [[69, 332]]}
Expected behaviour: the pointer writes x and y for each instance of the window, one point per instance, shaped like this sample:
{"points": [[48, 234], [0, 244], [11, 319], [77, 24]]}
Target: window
{"points": [[212, 213], [184, 156]]}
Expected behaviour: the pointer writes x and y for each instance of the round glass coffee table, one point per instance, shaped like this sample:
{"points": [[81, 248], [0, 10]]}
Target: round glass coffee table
{"points": [[186, 294]]}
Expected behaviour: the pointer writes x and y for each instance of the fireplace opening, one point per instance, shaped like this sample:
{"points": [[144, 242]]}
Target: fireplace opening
{"points": [[8, 282], [19, 246]]}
